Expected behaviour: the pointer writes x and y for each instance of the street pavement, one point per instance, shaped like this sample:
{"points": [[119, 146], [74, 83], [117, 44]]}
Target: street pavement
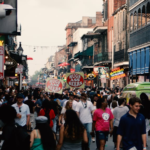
{"points": [[110, 145]]}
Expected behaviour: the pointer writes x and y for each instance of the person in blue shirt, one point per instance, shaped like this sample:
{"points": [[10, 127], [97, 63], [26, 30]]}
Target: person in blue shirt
{"points": [[39, 103], [132, 128]]}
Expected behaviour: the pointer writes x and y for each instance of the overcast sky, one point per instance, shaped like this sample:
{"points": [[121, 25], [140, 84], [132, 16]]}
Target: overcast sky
{"points": [[43, 24]]}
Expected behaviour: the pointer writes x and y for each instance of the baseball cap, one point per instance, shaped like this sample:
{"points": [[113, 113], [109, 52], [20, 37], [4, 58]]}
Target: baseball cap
{"points": [[41, 119], [19, 95]]}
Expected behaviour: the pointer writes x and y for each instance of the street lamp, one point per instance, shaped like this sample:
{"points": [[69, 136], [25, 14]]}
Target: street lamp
{"points": [[20, 49]]}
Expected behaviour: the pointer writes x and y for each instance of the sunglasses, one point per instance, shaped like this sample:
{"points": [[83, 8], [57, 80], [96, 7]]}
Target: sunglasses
{"points": [[19, 109]]}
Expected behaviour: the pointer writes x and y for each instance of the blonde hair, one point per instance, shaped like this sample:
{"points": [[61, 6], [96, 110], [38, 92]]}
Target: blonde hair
{"points": [[67, 105]]}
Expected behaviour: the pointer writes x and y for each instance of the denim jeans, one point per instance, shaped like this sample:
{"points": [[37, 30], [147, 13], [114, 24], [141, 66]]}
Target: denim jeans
{"points": [[55, 124], [88, 127]]}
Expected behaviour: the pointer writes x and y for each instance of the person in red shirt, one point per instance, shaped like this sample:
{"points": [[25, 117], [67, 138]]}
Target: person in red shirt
{"points": [[48, 112], [102, 123]]}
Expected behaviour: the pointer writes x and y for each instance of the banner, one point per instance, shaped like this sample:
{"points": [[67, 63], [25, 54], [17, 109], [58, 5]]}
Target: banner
{"points": [[75, 80], [103, 72], [54, 85]]}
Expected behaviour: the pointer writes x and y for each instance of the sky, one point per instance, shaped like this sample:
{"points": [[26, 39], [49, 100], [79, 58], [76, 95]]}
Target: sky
{"points": [[43, 25]]}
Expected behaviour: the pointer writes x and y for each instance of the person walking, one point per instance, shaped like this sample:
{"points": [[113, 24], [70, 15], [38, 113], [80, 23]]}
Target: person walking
{"points": [[85, 110], [23, 112], [48, 112], [118, 113], [132, 128], [42, 138], [39, 103], [102, 123], [61, 116], [72, 133]]}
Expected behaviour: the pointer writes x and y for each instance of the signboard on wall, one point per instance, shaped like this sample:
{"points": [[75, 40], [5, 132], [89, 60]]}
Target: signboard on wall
{"points": [[75, 80], [117, 73], [103, 72], [54, 85], [1, 62]]}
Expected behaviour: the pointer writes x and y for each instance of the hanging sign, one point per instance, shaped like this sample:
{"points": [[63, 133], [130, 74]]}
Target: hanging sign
{"points": [[54, 85], [1, 62], [19, 69], [91, 76], [117, 73], [103, 72], [75, 80]]}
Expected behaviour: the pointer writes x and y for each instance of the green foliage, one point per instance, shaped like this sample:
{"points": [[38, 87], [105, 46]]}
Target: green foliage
{"points": [[34, 78]]}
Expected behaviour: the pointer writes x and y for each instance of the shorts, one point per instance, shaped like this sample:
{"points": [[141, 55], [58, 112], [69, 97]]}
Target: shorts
{"points": [[115, 134], [102, 135]]}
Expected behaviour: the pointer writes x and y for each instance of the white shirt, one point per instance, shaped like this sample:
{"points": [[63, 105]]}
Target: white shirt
{"points": [[85, 112], [24, 111], [74, 104], [26, 98]]}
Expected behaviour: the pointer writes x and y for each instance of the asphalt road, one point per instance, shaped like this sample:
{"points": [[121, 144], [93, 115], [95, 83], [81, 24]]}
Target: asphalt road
{"points": [[110, 145]]}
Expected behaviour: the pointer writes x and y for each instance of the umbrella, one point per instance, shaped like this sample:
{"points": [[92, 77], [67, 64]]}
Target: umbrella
{"points": [[29, 58], [64, 64]]}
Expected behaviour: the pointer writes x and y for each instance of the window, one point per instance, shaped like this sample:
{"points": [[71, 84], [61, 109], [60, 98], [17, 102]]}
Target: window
{"points": [[135, 20], [143, 16], [139, 18], [131, 22]]}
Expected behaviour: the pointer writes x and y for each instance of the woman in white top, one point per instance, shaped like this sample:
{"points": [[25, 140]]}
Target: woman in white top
{"points": [[61, 116]]}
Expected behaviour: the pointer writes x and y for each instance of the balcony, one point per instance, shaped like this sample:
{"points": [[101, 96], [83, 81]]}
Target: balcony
{"points": [[132, 2], [105, 57], [120, 56], [140, 36], [86, 61]]}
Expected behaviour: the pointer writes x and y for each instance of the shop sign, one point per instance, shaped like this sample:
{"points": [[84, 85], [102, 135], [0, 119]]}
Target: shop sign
{"points": [[91, 76], [72, 70], [8, 62], [117, 73], [103, 72], [75, 80], [54, 85], [19, 69], [95, 69], [1, 62]]}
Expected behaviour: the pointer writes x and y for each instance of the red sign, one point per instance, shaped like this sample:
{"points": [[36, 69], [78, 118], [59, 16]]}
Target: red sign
{"points": [[54, 85], [75, 80], [72, 70], [1, 62]]}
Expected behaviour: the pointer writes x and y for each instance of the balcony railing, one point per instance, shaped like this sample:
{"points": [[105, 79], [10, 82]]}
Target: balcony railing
{"points": [[120, 56], [105, 56], [86, 61], [140, 36], [133, 2]]}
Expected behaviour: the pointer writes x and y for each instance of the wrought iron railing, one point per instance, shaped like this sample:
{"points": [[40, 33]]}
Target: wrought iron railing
{"points": [[140, 36], [120, 56], [86, 61], [105, 56], [70, 56]]}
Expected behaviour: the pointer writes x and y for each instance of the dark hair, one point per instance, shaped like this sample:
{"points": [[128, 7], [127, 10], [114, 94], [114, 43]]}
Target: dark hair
{"points": [[114, 104], [7, 114], [73, 127], [115, 98], [134, 100], [99, 102], [47, 136], [121, 101], [84, 95], [46, 104], [98, 92]]}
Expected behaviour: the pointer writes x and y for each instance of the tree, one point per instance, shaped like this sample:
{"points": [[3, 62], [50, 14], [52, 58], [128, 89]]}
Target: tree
{"points": [[34, 78]]}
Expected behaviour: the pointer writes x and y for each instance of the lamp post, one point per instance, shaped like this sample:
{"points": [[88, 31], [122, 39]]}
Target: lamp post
{"points": [[20, 52]]}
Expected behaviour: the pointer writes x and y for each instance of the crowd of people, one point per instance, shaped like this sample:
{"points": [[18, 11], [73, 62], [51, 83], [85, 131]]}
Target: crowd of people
{"points": [[38, 120]]}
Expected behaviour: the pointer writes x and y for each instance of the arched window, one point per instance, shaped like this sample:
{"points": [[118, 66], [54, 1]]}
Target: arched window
{"points": [[131, 22], [139, 18], [135, 21], [143, 16], [148, 13]]}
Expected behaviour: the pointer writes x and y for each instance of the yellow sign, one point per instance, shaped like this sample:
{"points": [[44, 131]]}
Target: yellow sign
{"points": [[1, 43], [54, 85], [75, 80]]}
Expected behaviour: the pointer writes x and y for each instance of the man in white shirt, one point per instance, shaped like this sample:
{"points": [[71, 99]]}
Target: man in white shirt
{"points": [[74, 103], [84, 110], [23, 112]]}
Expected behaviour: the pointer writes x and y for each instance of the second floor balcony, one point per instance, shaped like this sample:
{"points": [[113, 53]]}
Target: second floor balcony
{"points": [[120, 56], [87, 61], [104, 57]]}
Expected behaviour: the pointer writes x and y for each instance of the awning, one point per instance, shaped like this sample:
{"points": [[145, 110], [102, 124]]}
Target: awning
{"points": [[138, 70], [29, 58], [91, 35], [100, 29], [147, 60], [72, 44], [88, 51], [77, 55], [134, 63], [12, 78], [142, 61]]}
